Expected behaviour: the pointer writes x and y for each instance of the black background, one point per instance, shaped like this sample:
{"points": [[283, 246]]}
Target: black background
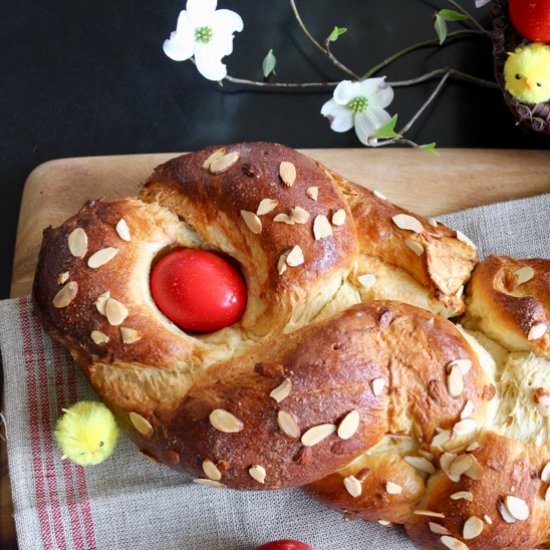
{"points": [[82, 77]]}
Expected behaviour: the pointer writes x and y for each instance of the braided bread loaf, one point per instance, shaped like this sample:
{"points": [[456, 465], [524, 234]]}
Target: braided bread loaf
{"points": [[344, 374]]}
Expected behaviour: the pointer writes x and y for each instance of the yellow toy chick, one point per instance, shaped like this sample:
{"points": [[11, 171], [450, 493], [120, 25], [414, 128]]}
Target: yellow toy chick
{"points": [[527, 73], [87, 433]]}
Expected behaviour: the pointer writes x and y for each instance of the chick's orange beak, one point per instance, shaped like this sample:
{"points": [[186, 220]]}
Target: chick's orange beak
{"points": [[528, 84]]}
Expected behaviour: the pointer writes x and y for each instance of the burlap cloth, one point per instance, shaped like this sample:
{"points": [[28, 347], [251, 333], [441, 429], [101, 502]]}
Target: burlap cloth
{"points": [[129, 503]]}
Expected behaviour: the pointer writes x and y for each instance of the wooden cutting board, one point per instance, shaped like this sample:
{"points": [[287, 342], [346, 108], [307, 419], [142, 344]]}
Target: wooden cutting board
{"points": [[425, 183]]}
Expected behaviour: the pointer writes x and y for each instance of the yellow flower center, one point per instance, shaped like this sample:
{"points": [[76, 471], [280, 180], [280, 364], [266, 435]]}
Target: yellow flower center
{"points": [[203, 34], [358, 104]]}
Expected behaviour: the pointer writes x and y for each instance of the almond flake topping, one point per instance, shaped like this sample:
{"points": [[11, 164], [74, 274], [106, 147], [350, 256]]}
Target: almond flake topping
{"points": [[141, 424], [465, 427], [288, 425], [258, 473], [547, 494], [99, 337], [488, 519], [462, 238], [545, 474], [404, 221], [123, 230], [473, 446], [384, 522], [472, 528], [287, 171], [218, 153], [460, 464], [299, 215], [353, 486], [445, 461], [420, 463], [101, 257], [63, 277], [463, 495], [433, 222], [524, 274], [283, 218], [367, 280], [453, 544], [281, 264], [393, 488], [455, 381], [321, 227], [221, 164], [266, 206], [506, 516], [295, 257], [349, 425], [129, 335], [380, 195], [100, 302], [442, 437], [315, 435], [429, 513], [115, 311], [224, 421], [438, 529], [252, 221], [66, 295], [210, 483], [378, 385], [282, 391], [339, 217], [78, 242], [468, 410], [464, 364], [211, 470], [475, 471], [516, 507], [312, 193], [537, 331], [416, 247]]}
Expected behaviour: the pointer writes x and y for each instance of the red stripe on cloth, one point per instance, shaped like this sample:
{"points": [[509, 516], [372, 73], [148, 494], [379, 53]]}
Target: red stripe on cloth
{"points": [[49, 458], [36, 451]]}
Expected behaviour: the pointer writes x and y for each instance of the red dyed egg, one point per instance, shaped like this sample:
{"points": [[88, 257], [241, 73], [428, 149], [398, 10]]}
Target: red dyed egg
{"points": [[285, 545], [531, 18]]}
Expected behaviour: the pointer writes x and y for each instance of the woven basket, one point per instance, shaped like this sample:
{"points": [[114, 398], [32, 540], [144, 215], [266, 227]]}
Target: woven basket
{"points": [[535, 118]]}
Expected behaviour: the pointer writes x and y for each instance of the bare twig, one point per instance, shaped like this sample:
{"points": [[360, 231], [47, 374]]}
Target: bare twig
{"points": [[453, 74], [330, 55], [273, 85], [473, 20]]}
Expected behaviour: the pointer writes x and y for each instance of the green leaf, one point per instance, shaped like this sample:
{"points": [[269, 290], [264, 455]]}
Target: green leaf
{"points": [[336, 33], [388, 130], [440, 28], [268, 64], [430, 148], [451, 15]]}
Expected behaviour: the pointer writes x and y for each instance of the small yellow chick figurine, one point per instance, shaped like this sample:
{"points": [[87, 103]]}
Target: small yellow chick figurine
{"points": [[87, 433], [527, 73]]}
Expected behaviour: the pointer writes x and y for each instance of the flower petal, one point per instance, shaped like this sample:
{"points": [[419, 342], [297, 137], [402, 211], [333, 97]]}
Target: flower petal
{"points": [[179, 47], [340, 117], [370, 120], [184, 25], [346, 91], [377, 91], [209, 62], [227, 21], [201, 11]]}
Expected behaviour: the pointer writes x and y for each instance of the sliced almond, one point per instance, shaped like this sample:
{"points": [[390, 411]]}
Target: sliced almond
{"points": [[299, 215], [258, 473], [288, 425], [462, 238], [442, 437], [312, 192], [129, 335], [217, 154], [524, 274], [429, 513], [266, 206], [141, 424], [252, 221], [516, 507], [367, 280], [287, 171], [211, 470], [455, 381], [315, 435], [283, 218], [101, 257], [281, 264], [488, 519], [295, 257], [339, 217], [459, 293], [66, 295], [475, 471], [78, 242], [463, 495], [282, 391], [384, 522], [321, 227], [378, 385], [464, 364], [473, 527], [99, 337], [63, 277], [473, 446], [445, 461], [547, 494], [404, 221], [433, 222], [210, 483], [353, 486], [438, 529], [100, 302], [465, 427], [416, 247], [393, 488], [224, 421], [545, 474], [452, 543], [460, 464], [115, 311], [349, 425], [537, 331], [468, 409], [506, 516], [123, 231], [380, 195], [420, 463], [221, 164]]}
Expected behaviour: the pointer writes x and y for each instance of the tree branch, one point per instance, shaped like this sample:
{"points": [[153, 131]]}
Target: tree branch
{"points": [[473, 20]]}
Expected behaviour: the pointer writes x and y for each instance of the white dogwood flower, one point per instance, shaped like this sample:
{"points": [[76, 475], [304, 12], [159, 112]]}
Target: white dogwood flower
{"points": [[205, 33], [360, 105]]}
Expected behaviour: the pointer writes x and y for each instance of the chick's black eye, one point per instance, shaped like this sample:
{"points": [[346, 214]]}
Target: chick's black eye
{"points": [[518, 76], [539, 84], [101, 443]]}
